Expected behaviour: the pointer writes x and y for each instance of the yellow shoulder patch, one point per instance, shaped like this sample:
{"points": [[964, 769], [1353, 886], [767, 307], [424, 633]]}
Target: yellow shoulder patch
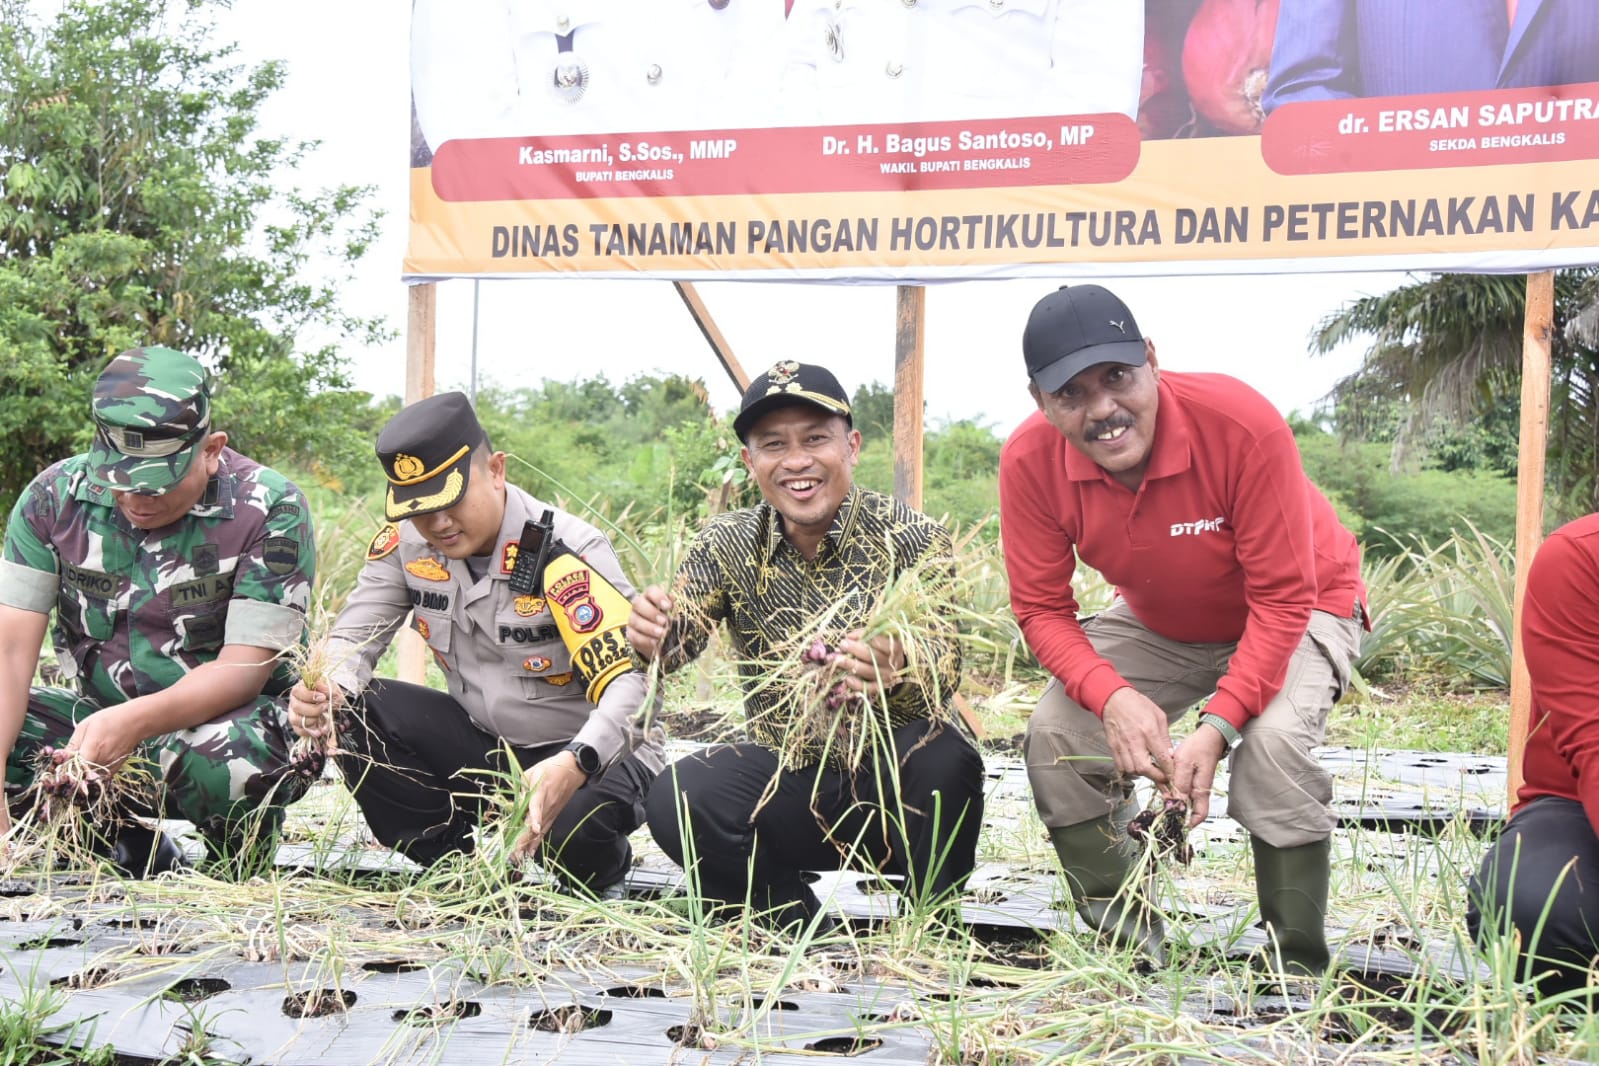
{"points": [[384, 542]]}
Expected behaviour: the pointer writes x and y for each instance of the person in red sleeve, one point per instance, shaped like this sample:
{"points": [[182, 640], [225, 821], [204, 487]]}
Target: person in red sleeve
{"points": [[1235, 584], [1540, 879]]}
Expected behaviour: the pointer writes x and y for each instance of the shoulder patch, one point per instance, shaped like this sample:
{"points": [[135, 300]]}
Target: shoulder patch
{"points": [[281, 555], [384, 541]]}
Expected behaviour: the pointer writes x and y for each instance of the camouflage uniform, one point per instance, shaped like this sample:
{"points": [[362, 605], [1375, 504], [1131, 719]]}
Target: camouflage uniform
{"points": [[137, 609]]}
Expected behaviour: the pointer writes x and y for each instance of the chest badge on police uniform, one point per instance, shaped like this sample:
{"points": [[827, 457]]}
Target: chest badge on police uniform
{"points": [[423, 628], [528, 606], [560, 679], [428, 569], [384, 542], [536, 665]]}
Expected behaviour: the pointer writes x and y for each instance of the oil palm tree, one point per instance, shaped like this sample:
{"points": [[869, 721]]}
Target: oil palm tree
{"points": [[1447, 347]]}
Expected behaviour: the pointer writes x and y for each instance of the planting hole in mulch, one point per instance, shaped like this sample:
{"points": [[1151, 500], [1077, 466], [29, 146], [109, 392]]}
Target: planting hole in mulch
{"points": [[391, 966], [133, 923], [48, 942], [318, 1003], [634, 992], [694, 1036], [83, 979], [1388, 1000], [975, 982], [162, 947], [13, 889], [844, 1045], [759, 1002], [195, 989], [569, 1019], [438, 1013], [1019, 947]]}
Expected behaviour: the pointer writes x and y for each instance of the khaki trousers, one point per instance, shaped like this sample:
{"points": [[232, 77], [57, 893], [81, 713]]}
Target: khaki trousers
{"points": [[1276, 789]]}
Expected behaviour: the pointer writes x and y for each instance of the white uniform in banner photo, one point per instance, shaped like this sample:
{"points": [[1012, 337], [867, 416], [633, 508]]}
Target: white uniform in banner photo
{"points": [[511, 68], [925, 60]]}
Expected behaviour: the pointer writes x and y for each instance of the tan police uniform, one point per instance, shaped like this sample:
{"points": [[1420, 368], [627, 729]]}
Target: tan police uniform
{"points": [[501, 654], [422, 763]]}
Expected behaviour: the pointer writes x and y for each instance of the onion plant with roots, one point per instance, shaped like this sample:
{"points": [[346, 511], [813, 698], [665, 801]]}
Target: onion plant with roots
{"points": [[822, 720], [73, 807]]}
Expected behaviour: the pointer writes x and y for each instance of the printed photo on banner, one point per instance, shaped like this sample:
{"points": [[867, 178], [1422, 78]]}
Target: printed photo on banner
{"points": [[898, 141]]}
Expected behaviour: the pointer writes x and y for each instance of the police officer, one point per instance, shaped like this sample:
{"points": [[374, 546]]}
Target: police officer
{"points": [[927, 60], [542, 67], [179, 570], [420, 762]]}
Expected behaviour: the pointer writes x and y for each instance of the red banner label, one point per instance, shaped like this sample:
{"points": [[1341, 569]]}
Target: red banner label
{"points": [[1437, 130], [1051, 150]]}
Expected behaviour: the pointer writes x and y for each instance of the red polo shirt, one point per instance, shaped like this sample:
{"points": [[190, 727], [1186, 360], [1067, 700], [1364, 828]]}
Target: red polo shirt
{"points": [[1225, 540], [1560, 629]]}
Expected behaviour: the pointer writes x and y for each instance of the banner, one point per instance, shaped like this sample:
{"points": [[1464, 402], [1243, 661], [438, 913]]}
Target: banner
{"points": [[924, 140]]}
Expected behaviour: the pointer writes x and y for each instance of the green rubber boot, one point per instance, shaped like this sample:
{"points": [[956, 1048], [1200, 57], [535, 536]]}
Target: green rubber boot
{"points": [[1291, 884], [1097, 867]]}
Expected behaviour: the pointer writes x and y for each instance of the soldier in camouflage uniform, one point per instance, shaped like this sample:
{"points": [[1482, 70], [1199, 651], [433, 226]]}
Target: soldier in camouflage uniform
{"points": [[179, 571]]}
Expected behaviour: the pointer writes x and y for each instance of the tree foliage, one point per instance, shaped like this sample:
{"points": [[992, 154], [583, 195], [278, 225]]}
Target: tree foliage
{"points": [[1445, 358], [1392, 513], [140, 205]]}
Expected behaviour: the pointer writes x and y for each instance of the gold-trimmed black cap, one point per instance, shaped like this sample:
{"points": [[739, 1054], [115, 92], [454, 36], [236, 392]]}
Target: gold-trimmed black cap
{"points": [[788, 383], [426, 452]]}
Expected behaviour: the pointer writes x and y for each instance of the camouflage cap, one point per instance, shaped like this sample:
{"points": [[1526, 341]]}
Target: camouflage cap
{"points": [[152, 407]]}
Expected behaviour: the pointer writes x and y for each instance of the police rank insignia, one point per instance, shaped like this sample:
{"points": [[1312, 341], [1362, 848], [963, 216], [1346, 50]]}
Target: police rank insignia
{"points": [[384, 541], [428, 569], [423, 628], [528, 606], [508, 557]]}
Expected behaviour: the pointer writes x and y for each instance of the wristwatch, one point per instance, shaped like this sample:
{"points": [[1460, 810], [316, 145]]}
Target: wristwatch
{"points": [[1221, 725], [588, 760]]}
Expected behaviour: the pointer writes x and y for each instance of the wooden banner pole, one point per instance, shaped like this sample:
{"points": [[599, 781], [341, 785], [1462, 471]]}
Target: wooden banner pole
{"points": [[422, 302], [910, 327], [707, 325], [1537, 357]]}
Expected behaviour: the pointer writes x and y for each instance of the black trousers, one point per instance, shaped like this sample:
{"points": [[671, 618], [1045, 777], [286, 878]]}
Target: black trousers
{"points": [[820, 819], [421, 771], [1543, 869]]}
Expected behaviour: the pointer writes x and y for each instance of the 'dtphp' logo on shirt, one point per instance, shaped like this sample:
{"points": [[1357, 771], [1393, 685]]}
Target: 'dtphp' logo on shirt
{"points": [[1203, 525]]}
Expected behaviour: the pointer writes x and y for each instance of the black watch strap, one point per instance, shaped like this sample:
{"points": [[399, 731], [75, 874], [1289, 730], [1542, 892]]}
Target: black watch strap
{"points": [[588, 760]]}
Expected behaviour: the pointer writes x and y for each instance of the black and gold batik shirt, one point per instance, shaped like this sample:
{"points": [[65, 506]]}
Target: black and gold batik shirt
{"points": [[776, 603]]}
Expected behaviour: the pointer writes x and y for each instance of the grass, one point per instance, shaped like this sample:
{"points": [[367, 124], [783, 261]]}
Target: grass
{"points": [[1426, 716], [971, 998]]}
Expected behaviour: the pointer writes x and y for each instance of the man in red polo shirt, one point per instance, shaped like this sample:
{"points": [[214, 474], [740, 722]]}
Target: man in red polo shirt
{"points": [[1236, 585], [1540, 879]]}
